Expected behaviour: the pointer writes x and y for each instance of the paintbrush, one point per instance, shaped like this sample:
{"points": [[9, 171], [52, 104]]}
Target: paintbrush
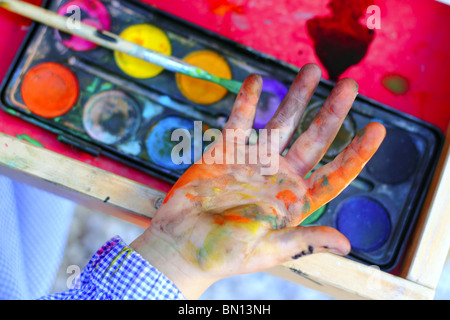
{"points": [[114, 42]]}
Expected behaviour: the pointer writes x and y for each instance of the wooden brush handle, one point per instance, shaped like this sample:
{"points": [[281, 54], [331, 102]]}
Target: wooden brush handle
{"points": [[102, 38]]}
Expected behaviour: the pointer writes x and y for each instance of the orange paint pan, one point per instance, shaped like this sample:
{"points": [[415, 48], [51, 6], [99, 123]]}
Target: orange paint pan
{"points": [[49, 89]]}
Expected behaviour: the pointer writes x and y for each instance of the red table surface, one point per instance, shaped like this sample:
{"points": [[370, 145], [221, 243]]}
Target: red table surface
{"points": [[410, 48]]}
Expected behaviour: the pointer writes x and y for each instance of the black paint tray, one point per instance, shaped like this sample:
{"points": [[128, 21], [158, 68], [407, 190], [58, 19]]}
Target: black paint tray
{"points": [[395, 181]]}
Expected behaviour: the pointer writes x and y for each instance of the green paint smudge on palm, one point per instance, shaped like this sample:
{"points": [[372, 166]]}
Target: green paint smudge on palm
{"points": [[210, 254], [313, 217], [306, 206]]}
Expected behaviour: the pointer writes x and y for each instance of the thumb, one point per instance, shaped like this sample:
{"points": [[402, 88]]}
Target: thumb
{"points": [[296, 242]]}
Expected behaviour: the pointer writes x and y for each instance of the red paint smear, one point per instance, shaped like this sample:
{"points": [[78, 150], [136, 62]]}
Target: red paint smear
{"points": [[18, 19], [340, 41]]}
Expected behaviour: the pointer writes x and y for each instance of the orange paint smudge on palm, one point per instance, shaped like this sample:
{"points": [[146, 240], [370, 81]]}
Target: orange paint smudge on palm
{"points": [[273, 210], [195, 172], [288, 197], [237, 219], [191, 197], [220, 220]]}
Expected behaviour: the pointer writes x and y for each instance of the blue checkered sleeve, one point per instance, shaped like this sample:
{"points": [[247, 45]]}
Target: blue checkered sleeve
{"points": [[118, 272]]}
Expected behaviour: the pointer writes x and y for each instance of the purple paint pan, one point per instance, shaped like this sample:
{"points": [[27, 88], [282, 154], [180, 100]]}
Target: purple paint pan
{"points": [[273, 92], [90, 12]]}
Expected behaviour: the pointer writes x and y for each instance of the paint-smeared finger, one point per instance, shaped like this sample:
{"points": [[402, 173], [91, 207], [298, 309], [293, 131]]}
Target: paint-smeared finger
{"points": [[286, 244], [329, 180], [311, 146], [244, 108], [291, 109]]}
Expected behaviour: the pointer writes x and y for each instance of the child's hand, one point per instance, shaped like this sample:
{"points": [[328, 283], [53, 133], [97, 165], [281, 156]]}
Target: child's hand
{"points": [[228, 218]]}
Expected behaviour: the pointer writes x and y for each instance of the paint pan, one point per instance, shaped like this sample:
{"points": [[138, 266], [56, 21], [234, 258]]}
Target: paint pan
{"points": [[396, 159], [344, 136], [273, 92], [164, 137], [49, 89], [103, 102], [364, 221], [201, 91], [111, 116], [150, 37], [90, 12]]}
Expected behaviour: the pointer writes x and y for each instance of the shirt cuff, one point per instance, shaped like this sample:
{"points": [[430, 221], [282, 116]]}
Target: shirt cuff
{"points": [[116, 271]]}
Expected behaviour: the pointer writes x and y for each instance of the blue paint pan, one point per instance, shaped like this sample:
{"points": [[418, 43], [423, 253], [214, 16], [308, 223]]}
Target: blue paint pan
{"points": [[161, 144], [364, 221]]}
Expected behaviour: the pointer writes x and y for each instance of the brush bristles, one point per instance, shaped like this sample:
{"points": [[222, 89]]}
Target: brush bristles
{"points": [[231, 85]]}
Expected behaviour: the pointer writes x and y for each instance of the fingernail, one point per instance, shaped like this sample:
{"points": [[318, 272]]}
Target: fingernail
{"points": [[338, 252]]}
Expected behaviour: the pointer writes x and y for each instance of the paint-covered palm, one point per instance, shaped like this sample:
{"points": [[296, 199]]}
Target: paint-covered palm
{"points": [[238, 209]]}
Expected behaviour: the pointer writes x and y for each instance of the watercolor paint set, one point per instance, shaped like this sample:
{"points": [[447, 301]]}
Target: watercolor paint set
{"points": [[106, 102]]}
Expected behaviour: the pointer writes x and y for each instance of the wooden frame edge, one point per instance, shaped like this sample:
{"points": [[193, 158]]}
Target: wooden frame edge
{"points": [[430, 242], [89, 186]]}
